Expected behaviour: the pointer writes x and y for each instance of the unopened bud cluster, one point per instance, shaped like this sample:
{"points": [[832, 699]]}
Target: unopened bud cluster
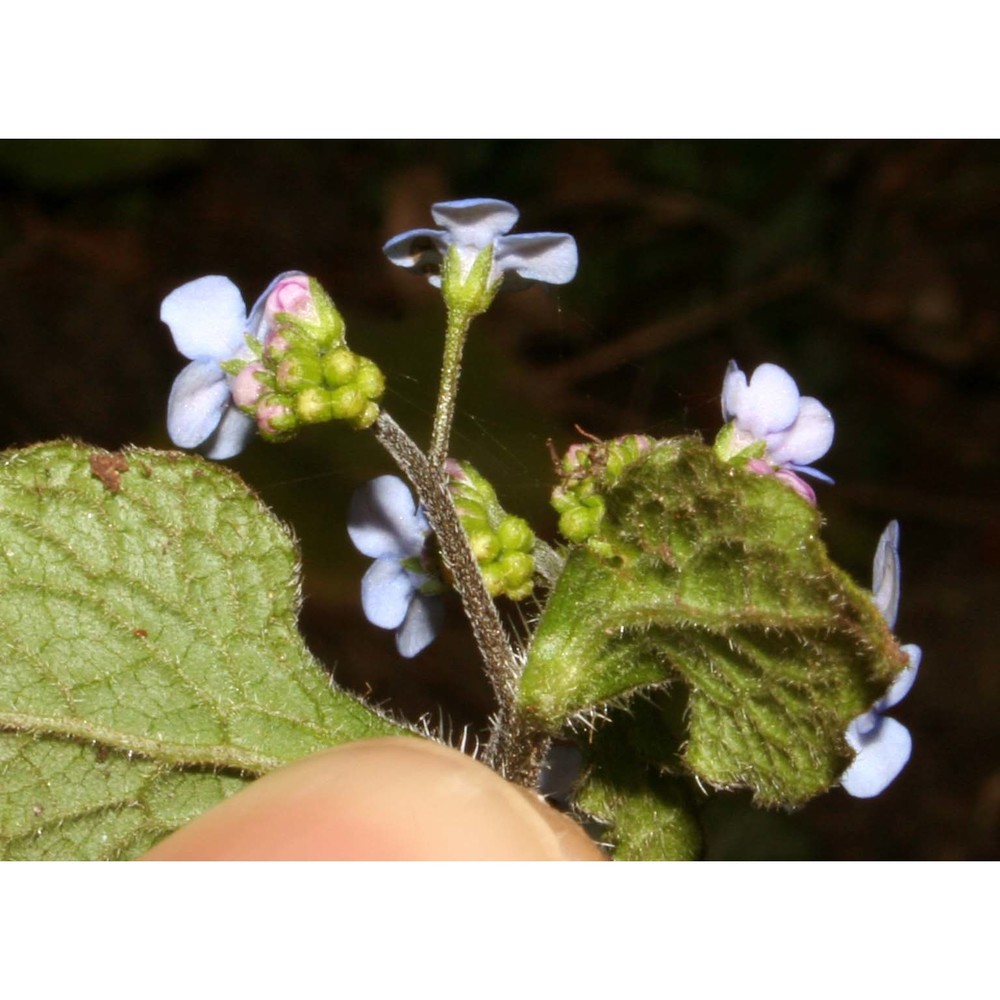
{"points": [[303, 371], [502, 543], [586, 470]]}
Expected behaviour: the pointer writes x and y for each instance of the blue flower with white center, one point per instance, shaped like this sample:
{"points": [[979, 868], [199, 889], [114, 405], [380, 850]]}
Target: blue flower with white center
{"points": [[882, 744], [472, 225], [385, 524], [208, 321]]}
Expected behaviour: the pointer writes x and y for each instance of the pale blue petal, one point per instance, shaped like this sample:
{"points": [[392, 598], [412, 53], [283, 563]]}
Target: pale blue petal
{"points": [[424, 619], [257, 313], [885, 574], [808, 438], [207, 318], [383, 520], [231, 436], [808, 470], [198, 398], [548, 257], [904, 680], [882, 755], [475, 222], [420, 250], [734, 388], [770, 403], [386, 592]]}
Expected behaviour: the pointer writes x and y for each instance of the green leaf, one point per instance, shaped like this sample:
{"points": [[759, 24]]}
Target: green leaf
{"points": [[647, 812], [150, 663], [705, 573]]}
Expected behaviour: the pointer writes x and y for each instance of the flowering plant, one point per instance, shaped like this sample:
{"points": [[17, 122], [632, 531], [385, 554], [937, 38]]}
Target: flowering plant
{"points": [[687, 632]]}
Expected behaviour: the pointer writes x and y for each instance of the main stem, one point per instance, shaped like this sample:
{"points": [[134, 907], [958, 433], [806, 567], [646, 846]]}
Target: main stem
{"points": [[514, 749]]}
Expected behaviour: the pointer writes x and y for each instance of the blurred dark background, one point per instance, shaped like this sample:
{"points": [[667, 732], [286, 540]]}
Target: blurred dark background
{"points": [[868, 269]]}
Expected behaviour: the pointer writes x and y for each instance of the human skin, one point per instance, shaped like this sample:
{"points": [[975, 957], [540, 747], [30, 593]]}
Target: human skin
{"points": [[393, 799]]}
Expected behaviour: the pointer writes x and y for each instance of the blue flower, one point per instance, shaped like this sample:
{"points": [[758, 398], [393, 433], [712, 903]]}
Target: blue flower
{"points": [[882, 744], [385, 524], [208, 321], [472, 225], [795, 430]]}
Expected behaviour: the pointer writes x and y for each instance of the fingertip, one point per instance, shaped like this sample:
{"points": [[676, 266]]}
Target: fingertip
{"points": [[398, 798]]}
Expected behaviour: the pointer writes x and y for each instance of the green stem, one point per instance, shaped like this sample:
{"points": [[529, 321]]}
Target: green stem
{"points": [[451, 371]]}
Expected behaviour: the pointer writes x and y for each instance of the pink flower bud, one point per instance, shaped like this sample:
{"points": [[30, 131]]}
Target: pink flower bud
{"points": [[276, 345], [291, 295], [246, 387], [270, 413]]}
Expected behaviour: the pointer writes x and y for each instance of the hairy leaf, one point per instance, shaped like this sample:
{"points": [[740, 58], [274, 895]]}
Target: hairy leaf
{"points": [[705, 573], [150, 662], [632, 786]]}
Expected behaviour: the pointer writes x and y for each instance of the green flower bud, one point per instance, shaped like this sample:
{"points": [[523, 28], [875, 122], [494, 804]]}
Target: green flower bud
{"points": [[314, 406], [340, 367], [366, 417], [515, 534], [297, 370], [370, 380], [347, 402], [579, 523]]}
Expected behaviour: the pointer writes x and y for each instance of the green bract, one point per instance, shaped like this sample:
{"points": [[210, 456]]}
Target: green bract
{"points": [[151, 663], [712, 584]]}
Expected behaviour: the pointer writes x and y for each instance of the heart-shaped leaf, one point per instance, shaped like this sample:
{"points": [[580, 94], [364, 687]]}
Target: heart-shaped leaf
{"points": [[150, 663]]}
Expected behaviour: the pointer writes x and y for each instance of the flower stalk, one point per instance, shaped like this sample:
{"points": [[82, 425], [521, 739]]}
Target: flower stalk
{"points": [[451, 372]]}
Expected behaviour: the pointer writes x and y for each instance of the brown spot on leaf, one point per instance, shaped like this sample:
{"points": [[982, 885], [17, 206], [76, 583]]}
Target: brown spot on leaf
{"points": [[108, 467], [139, 633]]}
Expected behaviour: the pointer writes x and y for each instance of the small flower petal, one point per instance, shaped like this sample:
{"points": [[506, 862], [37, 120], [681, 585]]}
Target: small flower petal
{"points": [[386, 593], [808, 438], [548, 257], [475, 222], [885, 574], [207, 318], [882, 754], [198, 399], [769, 403], [423, 621], [231, 436], [420, 250], [904, 681], [383, 520]]}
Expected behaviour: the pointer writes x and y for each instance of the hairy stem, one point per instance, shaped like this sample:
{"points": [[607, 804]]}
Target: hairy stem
{"points": [[451, 371], [511, 750]]}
